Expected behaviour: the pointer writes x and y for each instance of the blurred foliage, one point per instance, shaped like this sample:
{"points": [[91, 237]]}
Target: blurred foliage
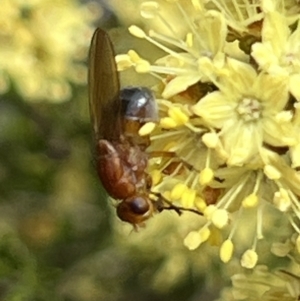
{"points": [[59, 235]]}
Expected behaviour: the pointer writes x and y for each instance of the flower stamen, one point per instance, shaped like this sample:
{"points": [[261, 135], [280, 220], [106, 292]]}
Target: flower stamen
{"points": [[249, 109], [139, 33]]}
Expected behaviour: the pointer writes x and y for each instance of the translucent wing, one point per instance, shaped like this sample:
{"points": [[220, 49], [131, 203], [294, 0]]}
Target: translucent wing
{"points": [[104, 88]]}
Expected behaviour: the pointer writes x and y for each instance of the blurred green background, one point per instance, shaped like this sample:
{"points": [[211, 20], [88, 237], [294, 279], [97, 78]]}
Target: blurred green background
{"points": [[60, 238]]}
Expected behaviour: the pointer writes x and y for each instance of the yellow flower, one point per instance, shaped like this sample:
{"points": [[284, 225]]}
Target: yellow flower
{"points": [[247, 107], [183, 66], [279, 51], [229, 127], [43, 47]]}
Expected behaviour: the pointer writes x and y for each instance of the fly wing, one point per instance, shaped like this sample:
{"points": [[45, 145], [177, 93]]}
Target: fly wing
{"points": [[104, 88]]}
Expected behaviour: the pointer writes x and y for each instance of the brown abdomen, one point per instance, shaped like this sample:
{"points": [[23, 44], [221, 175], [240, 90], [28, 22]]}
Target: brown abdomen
{"points": [[112, 172]]}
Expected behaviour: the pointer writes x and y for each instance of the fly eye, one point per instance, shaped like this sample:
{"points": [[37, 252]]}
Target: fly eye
{"points": [[138, 103], [139, 205], [135, 209]]}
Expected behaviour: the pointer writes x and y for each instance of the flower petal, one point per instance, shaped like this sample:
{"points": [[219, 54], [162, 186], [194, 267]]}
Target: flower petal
{"points": [[215, 109], [272, 91], [238, 78], [214, 22], [275, 31], [264, 55], [180, 84], [241, 141], [278, 133], [295, 85]]}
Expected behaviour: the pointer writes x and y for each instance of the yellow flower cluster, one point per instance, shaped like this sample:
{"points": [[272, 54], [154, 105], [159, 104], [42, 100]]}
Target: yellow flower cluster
{"points": [[229, 133], [43, 46]]}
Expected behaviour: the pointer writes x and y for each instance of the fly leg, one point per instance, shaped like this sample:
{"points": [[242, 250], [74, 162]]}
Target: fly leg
{"points": [[163, 204]]}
